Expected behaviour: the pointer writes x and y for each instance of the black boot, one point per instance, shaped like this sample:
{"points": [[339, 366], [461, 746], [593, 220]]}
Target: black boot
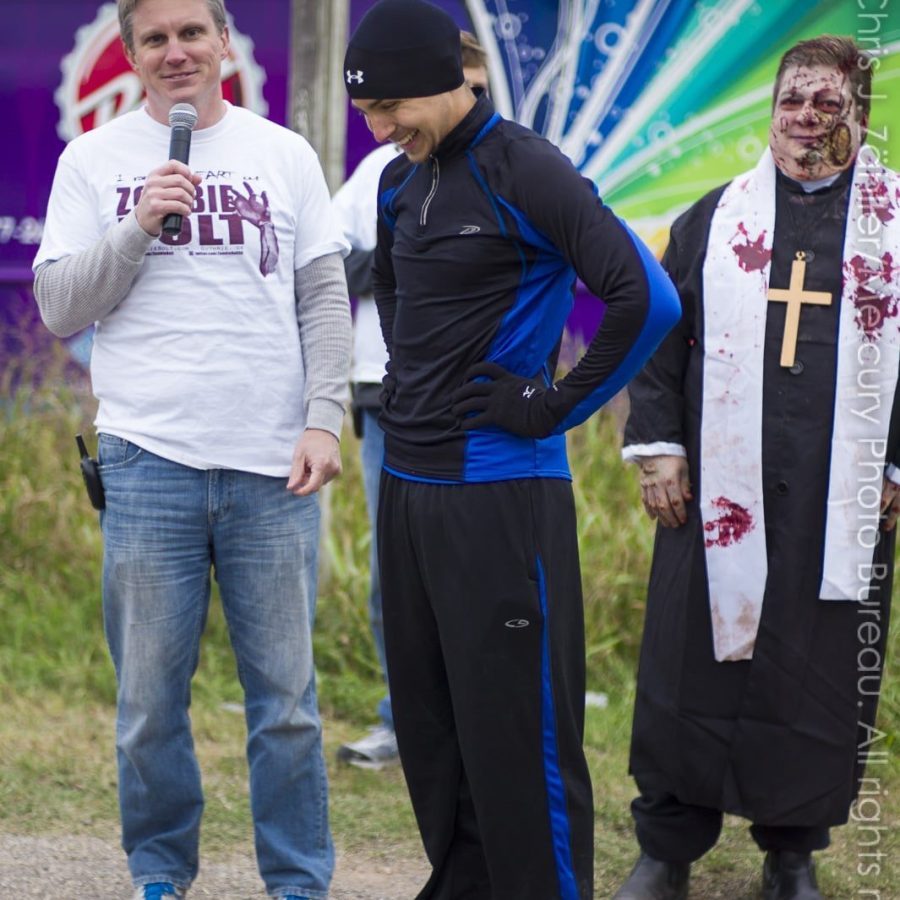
{"points": [[651, 879], [790, 876]]}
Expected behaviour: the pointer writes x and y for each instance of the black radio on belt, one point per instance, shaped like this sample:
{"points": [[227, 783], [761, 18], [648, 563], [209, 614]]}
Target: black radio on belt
{"points": [[90, 471]]}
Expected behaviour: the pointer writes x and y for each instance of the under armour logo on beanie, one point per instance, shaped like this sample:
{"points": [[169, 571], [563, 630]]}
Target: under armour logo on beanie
{"points": [[401, 49]]}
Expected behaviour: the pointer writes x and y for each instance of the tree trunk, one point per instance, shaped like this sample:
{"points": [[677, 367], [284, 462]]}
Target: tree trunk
{"points": [[318, 102]]}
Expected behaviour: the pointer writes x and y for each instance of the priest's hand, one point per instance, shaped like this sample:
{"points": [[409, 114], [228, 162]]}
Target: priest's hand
{"points": [[665, 489], [890, 504]]}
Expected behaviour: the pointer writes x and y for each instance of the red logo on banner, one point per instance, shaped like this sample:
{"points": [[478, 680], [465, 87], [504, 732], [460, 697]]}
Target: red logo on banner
{"points": [[99, 84]]}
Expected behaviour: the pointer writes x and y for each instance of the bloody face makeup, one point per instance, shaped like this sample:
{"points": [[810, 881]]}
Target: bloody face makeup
{"points": [[815, 131]]}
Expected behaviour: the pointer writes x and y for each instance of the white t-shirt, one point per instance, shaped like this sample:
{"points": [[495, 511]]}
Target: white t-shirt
{"points": [[356, 205], [201, 362]]}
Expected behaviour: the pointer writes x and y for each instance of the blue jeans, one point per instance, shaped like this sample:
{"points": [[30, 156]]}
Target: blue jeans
{"points": [[371, 454], [164, 527]]}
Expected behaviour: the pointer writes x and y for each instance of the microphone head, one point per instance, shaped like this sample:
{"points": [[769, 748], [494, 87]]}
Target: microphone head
{"points": [[182, 115]]}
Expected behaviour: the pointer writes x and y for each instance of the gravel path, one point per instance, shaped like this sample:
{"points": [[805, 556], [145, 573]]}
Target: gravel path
{"points": [[73, 868]]}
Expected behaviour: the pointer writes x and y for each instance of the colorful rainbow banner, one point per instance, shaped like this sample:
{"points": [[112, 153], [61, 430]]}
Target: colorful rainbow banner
{"points": [[660, 101]]}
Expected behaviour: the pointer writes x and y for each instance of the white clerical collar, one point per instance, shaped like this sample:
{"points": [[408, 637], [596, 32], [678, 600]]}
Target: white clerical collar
{"points": [[810, 186]]}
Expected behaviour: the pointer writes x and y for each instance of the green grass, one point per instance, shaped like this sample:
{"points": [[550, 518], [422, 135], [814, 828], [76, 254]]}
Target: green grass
{"points": [[58, 777], [57, 689]]}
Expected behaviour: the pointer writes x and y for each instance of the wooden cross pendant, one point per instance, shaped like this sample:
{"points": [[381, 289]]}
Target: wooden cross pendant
{"points": [[795, 297]]}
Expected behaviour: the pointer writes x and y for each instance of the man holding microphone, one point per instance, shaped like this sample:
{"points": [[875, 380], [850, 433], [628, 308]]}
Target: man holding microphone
{"points": [[220, 364]]}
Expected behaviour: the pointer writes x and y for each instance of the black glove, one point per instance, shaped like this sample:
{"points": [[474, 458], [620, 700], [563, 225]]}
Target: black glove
{"points": [[515, 404]]}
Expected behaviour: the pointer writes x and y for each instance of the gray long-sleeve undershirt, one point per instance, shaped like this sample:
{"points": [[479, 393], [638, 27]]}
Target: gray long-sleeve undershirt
{"points": [[78, 290], [323, 314]]}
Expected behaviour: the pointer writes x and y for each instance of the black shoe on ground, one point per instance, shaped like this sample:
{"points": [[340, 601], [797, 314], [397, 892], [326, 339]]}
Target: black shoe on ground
{"points": [[651, 879], [790, 876]]}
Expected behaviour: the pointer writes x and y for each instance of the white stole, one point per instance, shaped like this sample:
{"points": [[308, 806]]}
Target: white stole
{"points": [[735, 302]]}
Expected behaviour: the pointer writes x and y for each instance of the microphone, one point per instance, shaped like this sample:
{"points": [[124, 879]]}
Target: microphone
{"points": [[182, 119]]}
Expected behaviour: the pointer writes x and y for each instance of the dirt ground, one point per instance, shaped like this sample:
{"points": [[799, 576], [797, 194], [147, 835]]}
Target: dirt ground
{"points": [[72, 868]]}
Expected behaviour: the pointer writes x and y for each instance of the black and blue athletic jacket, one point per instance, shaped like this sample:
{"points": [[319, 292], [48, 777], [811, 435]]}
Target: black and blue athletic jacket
{"points": [[478, 252]]}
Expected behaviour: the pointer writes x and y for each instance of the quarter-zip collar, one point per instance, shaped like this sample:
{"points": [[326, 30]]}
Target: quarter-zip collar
{"points": [[461, 137], [435, 181]]}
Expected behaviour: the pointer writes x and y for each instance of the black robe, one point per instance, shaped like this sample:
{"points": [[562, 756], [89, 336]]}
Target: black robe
{"points": [[775, 739]]}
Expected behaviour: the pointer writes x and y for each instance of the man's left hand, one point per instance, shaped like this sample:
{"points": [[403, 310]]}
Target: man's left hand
{"points": [[890, 504], [515, 404], [317, 459]]}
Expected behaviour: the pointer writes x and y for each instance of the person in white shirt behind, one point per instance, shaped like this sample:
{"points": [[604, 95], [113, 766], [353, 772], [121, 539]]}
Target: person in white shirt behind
{"points": [[355, 206]]}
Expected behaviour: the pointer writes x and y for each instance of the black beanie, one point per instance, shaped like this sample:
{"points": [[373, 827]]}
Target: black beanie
{"points": [[401, 49]]}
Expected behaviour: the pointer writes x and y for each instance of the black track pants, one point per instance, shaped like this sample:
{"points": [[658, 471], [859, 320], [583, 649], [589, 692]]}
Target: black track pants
{"points": [[484, 631]]}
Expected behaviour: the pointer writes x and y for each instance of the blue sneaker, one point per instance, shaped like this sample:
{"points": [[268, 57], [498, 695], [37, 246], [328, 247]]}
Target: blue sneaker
{"points": [[159, 890]]}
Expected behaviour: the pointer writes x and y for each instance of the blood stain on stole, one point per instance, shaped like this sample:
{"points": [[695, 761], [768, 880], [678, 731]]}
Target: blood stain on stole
{"points": [[876, 200], [873, 304], [731, 524], [752, 255]]}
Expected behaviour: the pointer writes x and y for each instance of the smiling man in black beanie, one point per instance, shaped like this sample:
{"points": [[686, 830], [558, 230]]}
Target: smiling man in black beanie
{"points": [[482, 229], [410, 49]]}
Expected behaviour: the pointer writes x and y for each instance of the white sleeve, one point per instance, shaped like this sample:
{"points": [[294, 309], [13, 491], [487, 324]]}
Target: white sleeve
{"points": [[636, 452], [317, 233], [73, 213]]}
